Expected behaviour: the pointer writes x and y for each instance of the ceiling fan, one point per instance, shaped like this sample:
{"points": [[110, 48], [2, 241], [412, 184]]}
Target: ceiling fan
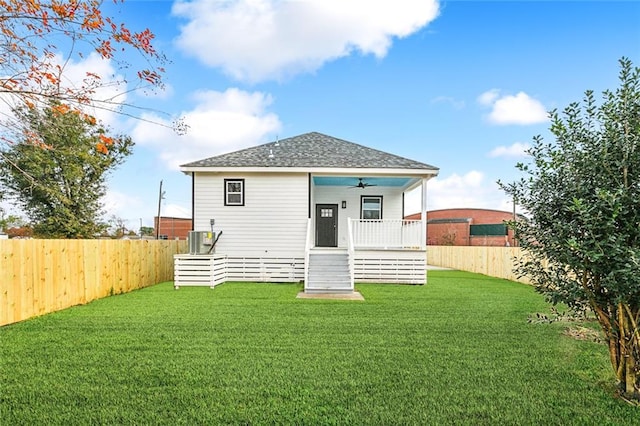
{"points": [[362, 184]]}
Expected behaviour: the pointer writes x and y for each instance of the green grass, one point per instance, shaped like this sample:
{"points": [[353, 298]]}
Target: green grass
{"points": [[456, 351]]}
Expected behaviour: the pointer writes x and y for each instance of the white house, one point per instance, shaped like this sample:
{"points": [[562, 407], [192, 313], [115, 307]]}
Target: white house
{"points": [[312, 208]]}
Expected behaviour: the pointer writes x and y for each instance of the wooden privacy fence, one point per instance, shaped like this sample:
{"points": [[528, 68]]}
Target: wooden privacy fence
{"points": [[493, 261], [42, 276]]}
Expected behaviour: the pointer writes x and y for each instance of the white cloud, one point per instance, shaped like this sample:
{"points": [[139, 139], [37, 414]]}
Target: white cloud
{"points": [[165, 92], [509, 109], [470, 190], [8, 208], [455, 190], [220, 122], [456, 104], [489, 97], [256, 40], [175, 210], [133, 209], [119, 204], [110, 93], [518, 149]]}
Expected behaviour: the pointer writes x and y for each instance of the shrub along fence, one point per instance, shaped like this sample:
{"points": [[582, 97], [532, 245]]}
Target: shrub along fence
{"points": [[493, 261], [42, 276]]}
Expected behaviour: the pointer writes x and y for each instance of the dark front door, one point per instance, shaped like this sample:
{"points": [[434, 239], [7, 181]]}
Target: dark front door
{"points": [[326, 225]]}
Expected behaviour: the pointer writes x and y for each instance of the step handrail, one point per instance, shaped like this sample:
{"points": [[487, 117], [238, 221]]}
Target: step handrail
{"points": [[351, 253], [307, 251]]}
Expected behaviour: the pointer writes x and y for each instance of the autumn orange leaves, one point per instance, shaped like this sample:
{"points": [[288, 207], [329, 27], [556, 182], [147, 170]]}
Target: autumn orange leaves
{"points": [[40, 38]]}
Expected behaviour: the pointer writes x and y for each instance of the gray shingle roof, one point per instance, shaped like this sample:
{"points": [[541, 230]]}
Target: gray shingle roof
{"points": [[313, 150]]}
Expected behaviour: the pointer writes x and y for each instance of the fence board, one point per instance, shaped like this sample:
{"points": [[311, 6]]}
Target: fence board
{"points": [[92, 267], [42, 276], [493, 261]]}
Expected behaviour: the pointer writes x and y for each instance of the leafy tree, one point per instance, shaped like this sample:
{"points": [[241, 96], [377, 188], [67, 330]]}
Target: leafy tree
{"points": [[117, 227], [59, 183], [10, 221], [41, 39], [147, 230], [582, 194]]}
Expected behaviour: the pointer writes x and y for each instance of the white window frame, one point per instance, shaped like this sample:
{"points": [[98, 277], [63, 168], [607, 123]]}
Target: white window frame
{"points": [[362, 209], [227, 193]]}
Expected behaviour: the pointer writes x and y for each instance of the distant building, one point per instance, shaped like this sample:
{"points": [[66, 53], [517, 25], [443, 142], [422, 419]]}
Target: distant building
{"points": [[468, 227], [171, 228]]}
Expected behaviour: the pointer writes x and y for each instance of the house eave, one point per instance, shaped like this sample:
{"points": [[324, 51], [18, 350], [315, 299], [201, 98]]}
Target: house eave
{"points": [[414, 184], [318, 171]]}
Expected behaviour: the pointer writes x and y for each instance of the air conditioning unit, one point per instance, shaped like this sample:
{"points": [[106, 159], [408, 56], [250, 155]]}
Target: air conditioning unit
{"points": [[200, 242]]}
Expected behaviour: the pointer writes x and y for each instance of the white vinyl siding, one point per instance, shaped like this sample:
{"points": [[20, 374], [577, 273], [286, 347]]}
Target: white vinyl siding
{"points": [[272, 223]]}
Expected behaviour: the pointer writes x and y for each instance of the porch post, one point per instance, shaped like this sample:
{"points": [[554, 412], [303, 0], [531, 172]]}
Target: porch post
{"points": [[423, 214]]}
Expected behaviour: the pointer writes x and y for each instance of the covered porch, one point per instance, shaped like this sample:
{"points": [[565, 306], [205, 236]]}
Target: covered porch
{"points": [[356, 231], [367, 211]]}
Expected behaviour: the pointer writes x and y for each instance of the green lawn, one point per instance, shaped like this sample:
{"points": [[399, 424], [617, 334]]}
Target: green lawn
{"points": [[456, 351]]}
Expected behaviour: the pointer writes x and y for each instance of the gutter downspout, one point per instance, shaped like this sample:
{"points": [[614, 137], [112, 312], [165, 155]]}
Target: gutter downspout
{"points": [[193, 200]]}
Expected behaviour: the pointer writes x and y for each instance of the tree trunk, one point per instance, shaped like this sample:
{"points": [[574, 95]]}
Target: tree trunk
{"points": [[620, 326], [627, 343]]}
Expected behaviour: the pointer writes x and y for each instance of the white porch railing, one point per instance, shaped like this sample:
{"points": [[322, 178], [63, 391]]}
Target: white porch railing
{"points": [[387, 233], [307, 250], [351, 254]]}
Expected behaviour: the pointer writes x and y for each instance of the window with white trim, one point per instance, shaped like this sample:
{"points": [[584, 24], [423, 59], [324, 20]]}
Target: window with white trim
{"points": [[371, 207], [234, 192]]}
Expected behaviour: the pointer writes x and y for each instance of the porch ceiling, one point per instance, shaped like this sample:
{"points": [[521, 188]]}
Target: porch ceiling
{"points": [[353, 181]]}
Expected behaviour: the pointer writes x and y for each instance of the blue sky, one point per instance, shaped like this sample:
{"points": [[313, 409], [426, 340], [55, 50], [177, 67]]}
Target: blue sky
{"points": [[461, 85]]}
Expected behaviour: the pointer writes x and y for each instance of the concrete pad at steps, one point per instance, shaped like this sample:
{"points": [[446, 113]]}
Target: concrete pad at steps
{"points": [[334, 296]]}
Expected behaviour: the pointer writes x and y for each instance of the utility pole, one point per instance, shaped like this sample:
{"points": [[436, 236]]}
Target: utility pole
{"points": [[160, 197]]}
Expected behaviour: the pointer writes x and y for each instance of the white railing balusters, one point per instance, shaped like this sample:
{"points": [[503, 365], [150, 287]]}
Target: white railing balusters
{"points": [[386, 233]]}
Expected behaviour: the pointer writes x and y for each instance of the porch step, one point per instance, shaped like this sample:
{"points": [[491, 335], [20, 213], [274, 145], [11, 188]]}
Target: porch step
{"points": [[328, 290], [328, 272]]}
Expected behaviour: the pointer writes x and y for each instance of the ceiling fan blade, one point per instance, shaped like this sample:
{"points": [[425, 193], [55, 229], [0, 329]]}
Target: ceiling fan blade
{"points": [[362, 184]]}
